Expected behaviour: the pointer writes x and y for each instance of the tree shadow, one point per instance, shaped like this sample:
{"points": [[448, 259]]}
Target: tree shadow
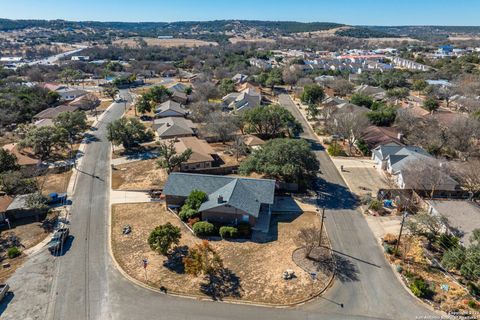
{"points": [[221, 284], [345, 270], [174, 260], [335, 196]]}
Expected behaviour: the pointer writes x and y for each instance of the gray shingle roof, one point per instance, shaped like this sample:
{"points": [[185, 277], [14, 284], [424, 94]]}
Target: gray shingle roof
{"points": [[245, 194], [173, 127], [170, 106]]}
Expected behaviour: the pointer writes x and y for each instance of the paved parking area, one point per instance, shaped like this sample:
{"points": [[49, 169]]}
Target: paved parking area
{"points": [[361, 175]]}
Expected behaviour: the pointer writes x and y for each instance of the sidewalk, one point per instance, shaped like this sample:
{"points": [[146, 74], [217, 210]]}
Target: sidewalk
{"points": [[118, 197]]}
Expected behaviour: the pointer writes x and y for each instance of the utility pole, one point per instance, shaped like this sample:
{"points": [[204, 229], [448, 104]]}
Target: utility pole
{"points": [[405, 214], [321, 227]]}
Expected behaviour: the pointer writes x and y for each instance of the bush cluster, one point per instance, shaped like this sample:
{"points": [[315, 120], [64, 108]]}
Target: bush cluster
{"points": [[228, 232], [203, 228], [13, 252]]}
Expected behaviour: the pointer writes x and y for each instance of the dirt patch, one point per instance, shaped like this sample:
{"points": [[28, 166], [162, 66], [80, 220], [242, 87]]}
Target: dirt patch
{"points": [[168, 43], [55, 182], [228, 156], [138, 175], [24, 234], [255, 269]]}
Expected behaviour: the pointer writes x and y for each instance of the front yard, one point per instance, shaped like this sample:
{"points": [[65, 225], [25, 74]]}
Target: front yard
{"points": [[254, 270], [138, 175]]}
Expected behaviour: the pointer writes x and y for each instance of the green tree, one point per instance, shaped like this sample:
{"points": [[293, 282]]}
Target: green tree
{"points": [[362, 100], [312, 94], [69, 75], [110, 91], [188, 91], [419, 85], [163, 237], [202, 259], [36, 201], [43, 140], [195, 199], [271, 121], [431, 104], [382, 115], [8, 161], [288, 160], [73, 123], [169, 159], [397, 93], [158, 94], [226, 86], [144, 105], [274, 78], [128, 132], [454, 258]]}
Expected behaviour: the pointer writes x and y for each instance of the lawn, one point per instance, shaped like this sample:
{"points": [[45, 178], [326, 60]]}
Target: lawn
{"points": [[255, 269], [138, 175], [54, 182]]}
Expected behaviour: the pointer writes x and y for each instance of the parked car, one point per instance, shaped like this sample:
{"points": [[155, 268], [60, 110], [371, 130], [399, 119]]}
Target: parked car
{"points": [[3, 290], [58, 240]]}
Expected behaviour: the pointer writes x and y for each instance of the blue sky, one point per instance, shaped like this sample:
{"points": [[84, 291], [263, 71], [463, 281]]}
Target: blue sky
{"points": [[363, 12]]}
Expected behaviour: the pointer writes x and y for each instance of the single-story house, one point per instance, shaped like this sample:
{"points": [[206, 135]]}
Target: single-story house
{"points": [[463, 216], [179, 87], [173, 127], [19, 209], [5, 201], [239, 78], [239, 101], [52, 113], [253, 142], [180, 97], [333, 101], [351, 108], [376, 136], [374, 92], [395, 159], [85, 102], [69, 94], [202, 153], [25, 158], [170, 109], [231, 200]]}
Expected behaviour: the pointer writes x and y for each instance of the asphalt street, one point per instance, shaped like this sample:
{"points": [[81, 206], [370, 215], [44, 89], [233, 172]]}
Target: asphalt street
{"points": [[86, 285]]}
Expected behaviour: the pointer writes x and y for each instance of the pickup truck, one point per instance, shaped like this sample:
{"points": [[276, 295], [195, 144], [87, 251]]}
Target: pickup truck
{"points": [[58, 240], [3, 290]]}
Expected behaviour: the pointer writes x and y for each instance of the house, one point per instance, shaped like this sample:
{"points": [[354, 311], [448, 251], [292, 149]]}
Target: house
{"points": [[231, 200], [239, 101], [239, 78], [463, 216], [25, 158], [80, 58], [69, 94], [19, 208], [179, 87], [374, 92], [375, 136], [259, 63], [253, 142], [202, 153], [5, 201], [396, 160], [333, 101], [170, 109], [86, 102], [351, 108], [180, 97], [173, 127], [52, 113]]}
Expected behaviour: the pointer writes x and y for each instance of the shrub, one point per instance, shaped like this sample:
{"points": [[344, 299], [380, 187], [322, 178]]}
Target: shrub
{"points": [[13, 252], [420, 288], [473, 289], [187, 213], [447, 241], [336, 150], [228, 232], [203, 228], [195, 199], [163, 237], [472, 304], [375, 205], [363, 147], [192, 221]]}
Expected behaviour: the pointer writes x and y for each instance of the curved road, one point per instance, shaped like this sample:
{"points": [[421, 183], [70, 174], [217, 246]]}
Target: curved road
{"points": [[86, 285]]}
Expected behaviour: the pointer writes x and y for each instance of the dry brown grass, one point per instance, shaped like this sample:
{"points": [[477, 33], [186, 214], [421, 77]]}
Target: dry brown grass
{"points": [[54, 182], [258, 266], [138, 175], [168, 43]]}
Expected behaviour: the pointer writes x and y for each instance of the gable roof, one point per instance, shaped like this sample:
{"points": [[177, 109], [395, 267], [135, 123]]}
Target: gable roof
{"points": [[251, 141], [201, 150], [375, 136], [173, 126], [5, 201], [245, 194], [170, 106], [52, 113], [405, 155], [375, 92], [24, 158]]}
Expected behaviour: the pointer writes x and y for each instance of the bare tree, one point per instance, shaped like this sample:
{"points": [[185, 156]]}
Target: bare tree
{"points": [[200, 110], [238, 147], [341, 87], [468, 175], [220, 125], [406, 121], [427, 175], [308, 238], [349, 125], [462, 135]]}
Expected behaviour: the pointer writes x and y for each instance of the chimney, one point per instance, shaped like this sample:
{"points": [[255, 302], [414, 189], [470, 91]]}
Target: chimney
{"points": [[168, 124], [220, 199], [400, 137]]}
